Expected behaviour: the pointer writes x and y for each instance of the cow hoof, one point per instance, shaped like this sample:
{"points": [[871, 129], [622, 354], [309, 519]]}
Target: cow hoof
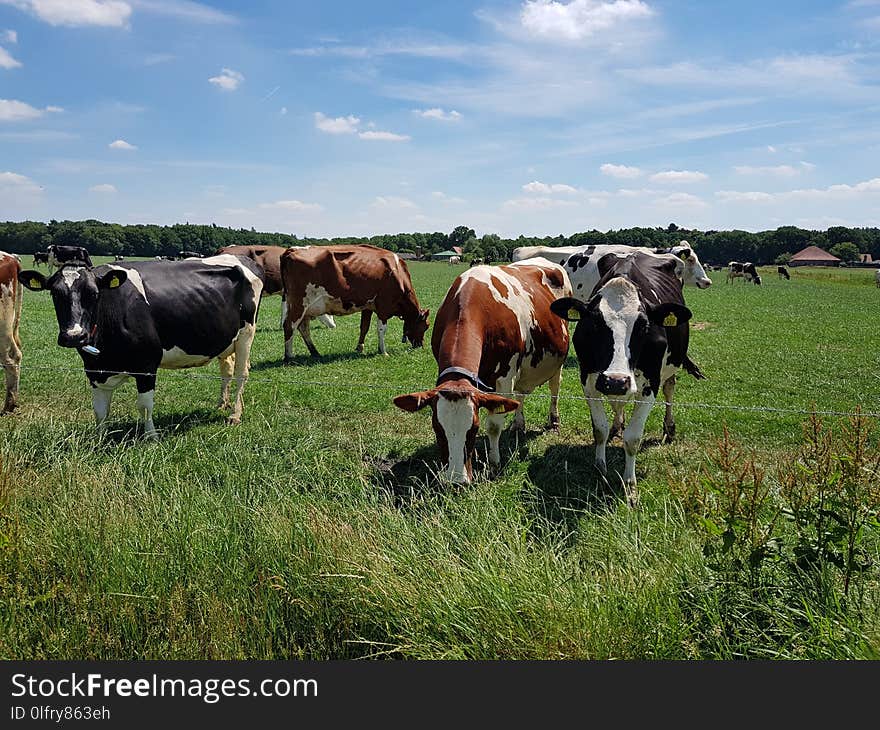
{"points": [[632, 496], [360, 349], [152, 436], [222, 405], [288, 360], [553, 424], [233, 421], [669, 434], [601, 468]]}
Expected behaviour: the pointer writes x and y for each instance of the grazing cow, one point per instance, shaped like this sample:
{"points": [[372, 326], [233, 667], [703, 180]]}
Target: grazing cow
{"points": [[119, 257], [877, 277], [783, 272], [631, 338], [63, 255], [10, 316], [41, 257], [269, 259], [580, 262], [190, 255], [476, 262], [347, 279], [746, 270], [493, 332], [452, 260], [129, 321]]}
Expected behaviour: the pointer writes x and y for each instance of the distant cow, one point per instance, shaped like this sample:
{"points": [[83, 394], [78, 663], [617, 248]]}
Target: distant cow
{"points": [[41, 257], [129, 321], [269, 259], [783, 272], [119, 257], [631, 338], [452, 260], [476, 262], [493, 332], [580, 262], [347, 279], [746, 270], [190, 255], [63, 255], [10, 317], [877, 277]]}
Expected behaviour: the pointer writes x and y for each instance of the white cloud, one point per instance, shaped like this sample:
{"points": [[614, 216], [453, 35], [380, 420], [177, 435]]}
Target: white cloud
{"points": [[391, 202], [103, 188], [106, 13], [732, 196], [7, 61], [121, 144], [337, 125], [384, 136], [771, 149], [578, 19], [444, 198], [16, 111], [296, 206], [154, 59], [54, 109], [681, 200], [283, 111], [840, 192], [440, 114], [679, 176], [774, 170], [548, 189], [185, 10], [9, 36], [228, 80], [622, 172], [540, 203], [12, 182]]}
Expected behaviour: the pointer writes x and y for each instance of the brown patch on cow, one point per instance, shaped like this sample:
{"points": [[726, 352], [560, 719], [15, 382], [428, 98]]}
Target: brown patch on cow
{"points": [[701, 325], [10, 342], [268, 258], [499, 286]]}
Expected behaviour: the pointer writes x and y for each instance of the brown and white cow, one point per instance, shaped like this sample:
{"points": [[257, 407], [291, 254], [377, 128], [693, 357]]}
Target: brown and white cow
{"points": [[493, 332], [343, 280], [10, 316], [269, 259]]}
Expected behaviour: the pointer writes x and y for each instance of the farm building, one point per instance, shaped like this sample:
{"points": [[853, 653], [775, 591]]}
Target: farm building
{"points": [[813, 256], [444, 255]]}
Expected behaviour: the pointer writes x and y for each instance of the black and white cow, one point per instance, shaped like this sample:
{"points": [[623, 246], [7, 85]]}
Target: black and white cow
{"points": [[63, 255], [130, 320], [41, 257], [783, 272], [746, 270], [631, 338]]}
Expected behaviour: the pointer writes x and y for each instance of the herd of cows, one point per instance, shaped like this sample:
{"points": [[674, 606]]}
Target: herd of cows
{"points": [[500, 332]]}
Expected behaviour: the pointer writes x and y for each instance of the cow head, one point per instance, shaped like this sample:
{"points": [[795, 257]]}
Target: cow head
{"points": [[414, 328], [613, 329], [456, 420], [694, 274], [75, 292]]}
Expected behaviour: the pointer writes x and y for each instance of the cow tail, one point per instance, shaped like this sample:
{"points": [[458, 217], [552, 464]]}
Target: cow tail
{"points": [[693, 369], [18, 294]]}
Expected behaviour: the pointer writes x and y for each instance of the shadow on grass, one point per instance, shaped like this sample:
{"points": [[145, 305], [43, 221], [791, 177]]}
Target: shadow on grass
{"points": [[305, 360], [130, 432]]}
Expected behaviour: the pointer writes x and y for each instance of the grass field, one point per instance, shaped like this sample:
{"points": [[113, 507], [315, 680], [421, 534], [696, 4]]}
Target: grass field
{"points": [[315, 529]]}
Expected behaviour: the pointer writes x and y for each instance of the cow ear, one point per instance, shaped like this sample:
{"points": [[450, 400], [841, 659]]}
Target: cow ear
{"points": [[569, 308], [424, 314], [495, 404], [113, 279], [669, 314], [413, 402], [33, 280], [684, 254]]}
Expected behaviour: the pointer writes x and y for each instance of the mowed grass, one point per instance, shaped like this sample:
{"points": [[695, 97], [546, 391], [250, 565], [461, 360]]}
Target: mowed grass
{"points": [[316, 529]]}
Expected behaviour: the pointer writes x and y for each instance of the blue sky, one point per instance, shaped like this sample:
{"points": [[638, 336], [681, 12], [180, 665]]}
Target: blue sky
{"points": [[511, 116]]}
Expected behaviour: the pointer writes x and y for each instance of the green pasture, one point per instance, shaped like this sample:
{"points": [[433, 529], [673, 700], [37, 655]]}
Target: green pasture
{"points": [[316, 528]]}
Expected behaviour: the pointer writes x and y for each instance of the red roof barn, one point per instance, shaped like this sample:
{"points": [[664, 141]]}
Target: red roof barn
{"points": [[813, 256]]}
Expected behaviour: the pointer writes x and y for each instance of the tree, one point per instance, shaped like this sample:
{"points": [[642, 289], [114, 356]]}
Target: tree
{"points": [[460, 234], [845, 251]]}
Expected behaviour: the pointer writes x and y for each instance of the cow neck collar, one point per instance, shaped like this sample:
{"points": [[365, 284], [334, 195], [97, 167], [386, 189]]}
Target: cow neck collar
{"points": [[467, 374]]}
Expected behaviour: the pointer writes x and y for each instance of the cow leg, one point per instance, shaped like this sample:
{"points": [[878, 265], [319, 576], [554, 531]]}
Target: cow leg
{"points": [[668, 418], [632, 438], [12, 367], [599, 418], [365, 328], [617, 424], [380, 331], [146, 388], [554, 385], [101, 397], [305, 329], [243, 366], [227, 366], [283, 310], [494, 426]]}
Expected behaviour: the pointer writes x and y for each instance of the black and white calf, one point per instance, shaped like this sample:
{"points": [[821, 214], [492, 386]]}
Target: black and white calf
{"points": [[783, 272], [746, 270], [631, 339], [130, 320]]}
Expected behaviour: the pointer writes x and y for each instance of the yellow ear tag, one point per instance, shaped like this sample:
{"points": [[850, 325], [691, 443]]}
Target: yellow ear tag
{"points": [[574, 313], [36, 284], [670, 320], [113, 283]]}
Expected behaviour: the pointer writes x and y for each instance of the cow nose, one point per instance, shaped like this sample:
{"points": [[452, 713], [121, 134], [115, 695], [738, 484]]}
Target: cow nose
{"points": [[612, 384], [704, 283], [65, 339]]}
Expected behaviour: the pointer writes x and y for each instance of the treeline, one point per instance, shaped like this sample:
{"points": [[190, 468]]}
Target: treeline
{"points": [[718, 247]]}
